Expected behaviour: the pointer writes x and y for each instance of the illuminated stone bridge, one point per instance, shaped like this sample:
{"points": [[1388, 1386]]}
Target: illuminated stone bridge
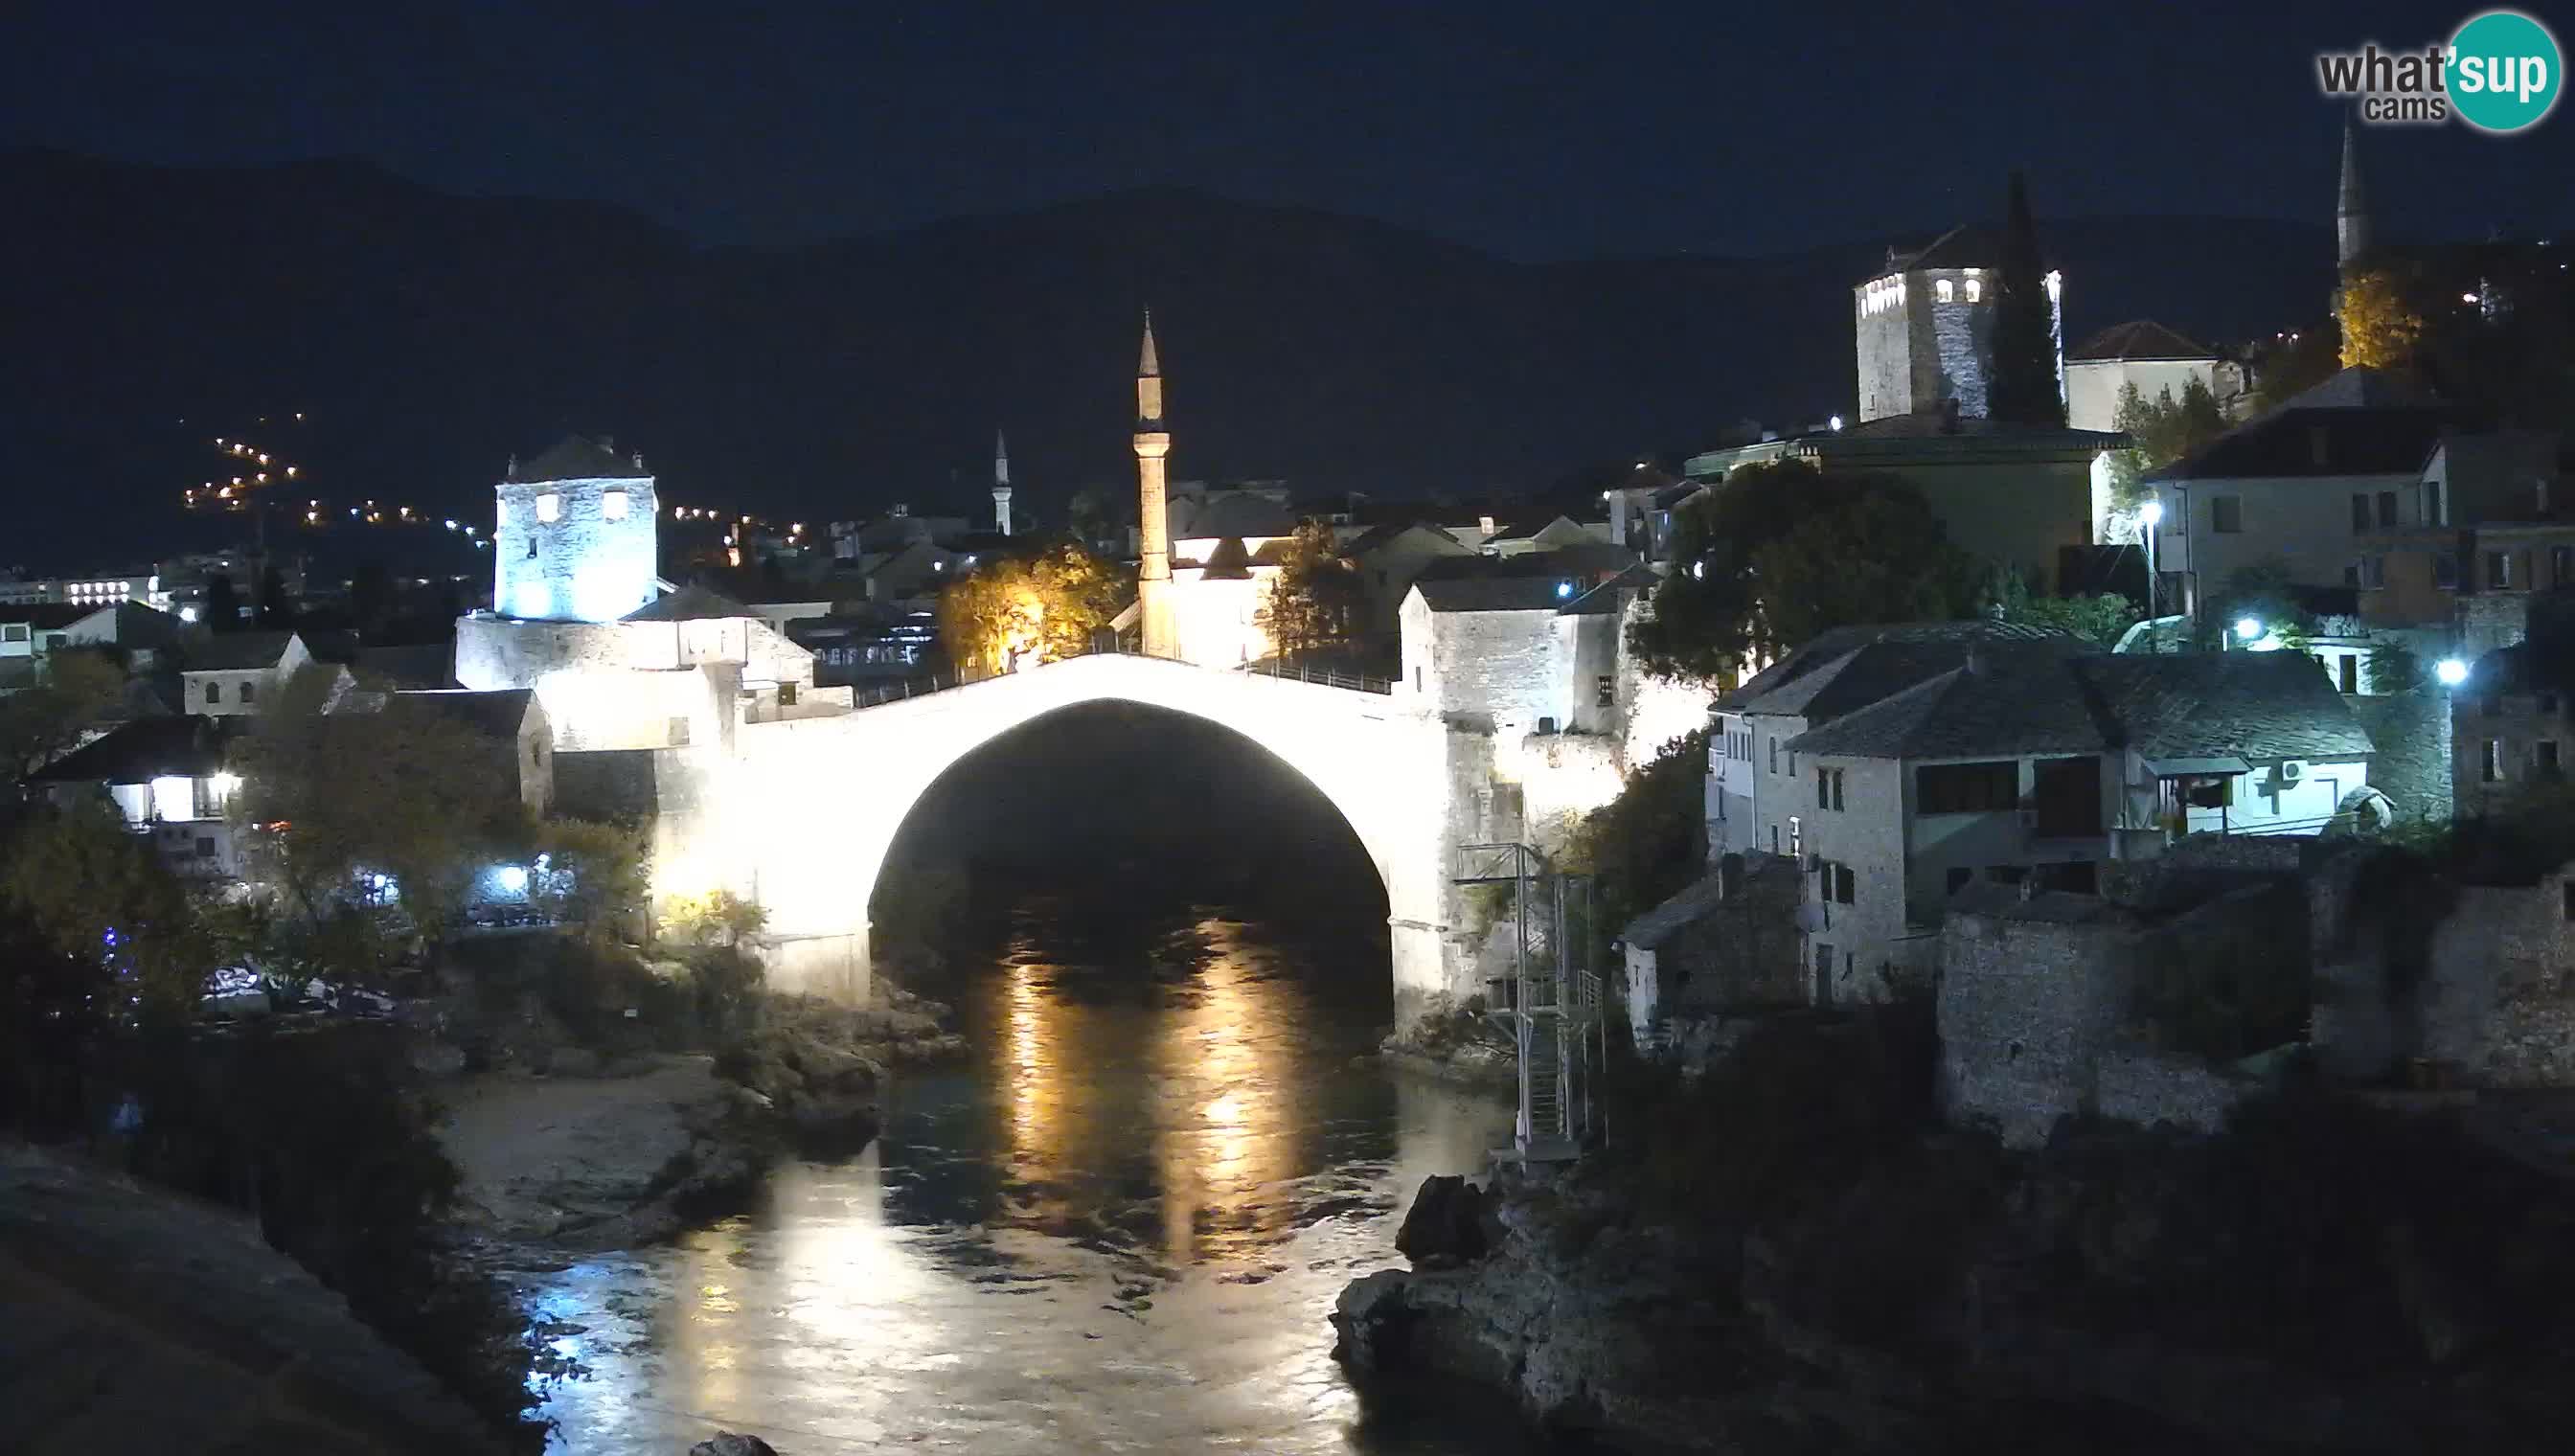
{"points": [[801, 814]]}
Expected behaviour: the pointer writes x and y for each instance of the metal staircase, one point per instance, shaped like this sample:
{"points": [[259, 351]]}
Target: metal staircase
{"points": [[1549, 1000]]}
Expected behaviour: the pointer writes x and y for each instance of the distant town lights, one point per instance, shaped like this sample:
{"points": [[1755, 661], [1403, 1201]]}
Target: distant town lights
{"points": [[2451, 672]]}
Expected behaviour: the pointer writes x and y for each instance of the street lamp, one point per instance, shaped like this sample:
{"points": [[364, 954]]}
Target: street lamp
{"points": [[2150, 515], [2248, 628], [2451, 672]]}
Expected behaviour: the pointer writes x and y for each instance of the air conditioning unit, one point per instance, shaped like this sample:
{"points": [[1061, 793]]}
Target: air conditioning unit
{"points": [[2291, 770]]}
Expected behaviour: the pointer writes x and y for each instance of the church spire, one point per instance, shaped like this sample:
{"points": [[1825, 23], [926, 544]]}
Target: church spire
{"points": [[2351, 210]]}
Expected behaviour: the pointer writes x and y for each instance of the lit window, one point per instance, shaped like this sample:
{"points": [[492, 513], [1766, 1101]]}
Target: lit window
{"points": [[612, 506], [1975, 290], [1945, 291], [549, 506]]}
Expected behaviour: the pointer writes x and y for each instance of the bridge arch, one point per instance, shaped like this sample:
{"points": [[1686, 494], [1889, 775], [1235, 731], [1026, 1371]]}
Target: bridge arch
{"points": [[811, 806]]}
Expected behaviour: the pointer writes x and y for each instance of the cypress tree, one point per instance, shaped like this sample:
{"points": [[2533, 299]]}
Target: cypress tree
{"points": [[2024, 386]]}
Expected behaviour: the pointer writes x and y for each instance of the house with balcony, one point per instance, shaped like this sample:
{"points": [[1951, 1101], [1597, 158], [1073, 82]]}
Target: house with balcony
{"points": [[167, 777], [1753, 800], [2030, 769]]}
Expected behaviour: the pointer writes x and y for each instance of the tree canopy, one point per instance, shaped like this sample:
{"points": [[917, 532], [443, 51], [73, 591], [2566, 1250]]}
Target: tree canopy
{"points": [[2381, 329], [1782, 551], [2024, 387], [2102, 617], [1016, 611], [1313, 604], [95, 892], [2161, 432], [332, 797], [48, 719]]}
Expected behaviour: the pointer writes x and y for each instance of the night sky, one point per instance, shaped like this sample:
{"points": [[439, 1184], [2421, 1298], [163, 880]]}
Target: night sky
{"points": [[1534, 131]]}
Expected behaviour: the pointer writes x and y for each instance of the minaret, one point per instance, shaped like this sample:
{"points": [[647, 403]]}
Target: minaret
{"points": [[2351, 212], [1000, 483], [1153, 566]]}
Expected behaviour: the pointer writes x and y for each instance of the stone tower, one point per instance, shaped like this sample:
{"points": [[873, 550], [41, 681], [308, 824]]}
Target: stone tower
{"points": [[575, 534], [2352, 208], [1160, 630], [1000, 483], [1923, 328]]}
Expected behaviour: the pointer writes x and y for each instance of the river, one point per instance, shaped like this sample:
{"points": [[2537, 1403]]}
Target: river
{"points": [[1118, 1226]]}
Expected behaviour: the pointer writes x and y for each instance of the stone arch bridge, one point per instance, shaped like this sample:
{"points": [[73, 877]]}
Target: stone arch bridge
{"points": [[801, 814]]}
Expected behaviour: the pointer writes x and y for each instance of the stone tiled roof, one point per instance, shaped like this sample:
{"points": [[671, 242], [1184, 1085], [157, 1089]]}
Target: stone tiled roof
{"points": [[1931, 647], [498, 713], [1492, 594], [1587, 562], [579, 458], [1605, 598], [2261, 707], [1665, 920], [147, 749], [236, 651], [2139, 339], [1965, 245], [689, 604]]}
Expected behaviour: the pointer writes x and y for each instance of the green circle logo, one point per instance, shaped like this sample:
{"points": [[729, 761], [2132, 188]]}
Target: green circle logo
{"points": [[2504, 71]]}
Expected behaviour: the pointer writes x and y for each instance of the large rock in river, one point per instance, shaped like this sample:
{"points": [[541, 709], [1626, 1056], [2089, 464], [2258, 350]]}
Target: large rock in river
{"points": [[1445, 1225]]}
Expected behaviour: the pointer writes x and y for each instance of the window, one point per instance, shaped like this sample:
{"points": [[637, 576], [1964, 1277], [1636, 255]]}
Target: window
{"points": [[679, 731], [1774, 756], [2566, 894], [2387, 507], [2445, 570], [2433, 503], [1796, 837], [2350, 677], [2544, 756], [1837, 788], [1604, 690], [249, 691], [1957, 878], [1774, 839], [214, 692], [787, 695], [532, 547], [1823, 789], [2561, 565], [549, 506], [1943, 289], [1953, 788], [1846, 885], [1824, 974], [205, 847], [612, 506], [2498, 570], [1975, 290], [2226, 514], [2359, 510], [2490, 770], [2215, 791], [14, 632]]}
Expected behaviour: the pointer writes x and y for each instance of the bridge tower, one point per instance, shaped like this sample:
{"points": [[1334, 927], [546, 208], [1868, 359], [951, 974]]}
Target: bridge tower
{"points": [[1000, 483], [1161, 638]]}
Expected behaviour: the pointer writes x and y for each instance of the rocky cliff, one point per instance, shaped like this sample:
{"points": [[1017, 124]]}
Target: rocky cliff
{"points": [[2322, 1278]]}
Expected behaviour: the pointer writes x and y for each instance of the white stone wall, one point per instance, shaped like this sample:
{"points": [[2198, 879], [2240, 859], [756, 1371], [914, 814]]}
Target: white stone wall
{"points": [[1218, 621], [2304, 521], [2498, 1002], [1869, 937], [1501, 669], [581, 565], [810, 808], [2092, 384]]}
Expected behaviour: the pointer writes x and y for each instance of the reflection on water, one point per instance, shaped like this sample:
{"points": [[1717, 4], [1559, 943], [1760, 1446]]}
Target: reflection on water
{"points": [[1119, 1226]]}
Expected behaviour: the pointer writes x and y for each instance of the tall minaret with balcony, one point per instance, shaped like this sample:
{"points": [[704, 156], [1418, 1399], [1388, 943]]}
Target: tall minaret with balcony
{"points": [[1160, 630], [2351, 207], [1000, 483]]}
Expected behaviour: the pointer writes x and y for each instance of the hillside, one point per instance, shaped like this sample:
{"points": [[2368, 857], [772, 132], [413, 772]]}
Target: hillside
{"points": [[430, 336]]}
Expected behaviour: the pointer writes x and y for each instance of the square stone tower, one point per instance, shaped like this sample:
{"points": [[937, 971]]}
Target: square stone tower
{"points": [[1924, 328], [577, 537]]}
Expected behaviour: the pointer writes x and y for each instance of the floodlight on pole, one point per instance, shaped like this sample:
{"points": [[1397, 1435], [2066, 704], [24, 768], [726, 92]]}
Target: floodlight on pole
{"points": [[2451, 672]]}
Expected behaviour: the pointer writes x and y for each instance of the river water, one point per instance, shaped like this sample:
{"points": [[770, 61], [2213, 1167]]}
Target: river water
{"points": [[1117, 1227]]}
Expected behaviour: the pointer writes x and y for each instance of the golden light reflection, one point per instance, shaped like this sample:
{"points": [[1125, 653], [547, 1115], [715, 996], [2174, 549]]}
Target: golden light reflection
{"points": [[1225, 1138]]}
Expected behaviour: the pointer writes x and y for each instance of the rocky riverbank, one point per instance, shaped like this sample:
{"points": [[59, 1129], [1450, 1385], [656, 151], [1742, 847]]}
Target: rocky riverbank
{"points": [[2324, 1277], [614, 1151], [1455, 1043]]}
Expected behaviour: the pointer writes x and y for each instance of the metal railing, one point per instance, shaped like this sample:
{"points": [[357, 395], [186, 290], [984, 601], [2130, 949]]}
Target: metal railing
{"points": [[1320, 678], [910, 688]]}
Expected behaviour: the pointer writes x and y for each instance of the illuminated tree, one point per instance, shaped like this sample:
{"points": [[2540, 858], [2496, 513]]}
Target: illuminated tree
{"points": [[2102, 617], [1016, 612], [96, 894], [1315, 600], [712, 918], [2159, 432], [2380, 329]]}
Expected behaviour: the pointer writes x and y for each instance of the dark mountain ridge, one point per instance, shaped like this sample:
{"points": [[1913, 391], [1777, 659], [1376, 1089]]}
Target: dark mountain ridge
{"points": [[431, 335]]}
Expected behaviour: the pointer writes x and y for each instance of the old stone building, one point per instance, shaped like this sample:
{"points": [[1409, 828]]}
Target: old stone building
{"points": [[1925, 327], [575, 534]]}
